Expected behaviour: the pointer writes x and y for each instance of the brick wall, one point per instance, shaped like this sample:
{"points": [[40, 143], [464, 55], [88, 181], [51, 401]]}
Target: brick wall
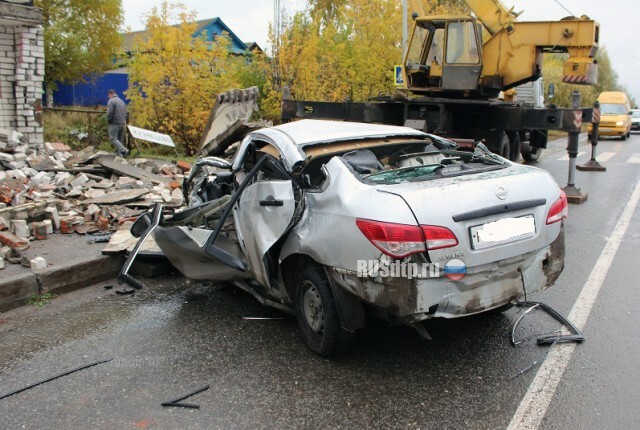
{"points": [[21, 76]]}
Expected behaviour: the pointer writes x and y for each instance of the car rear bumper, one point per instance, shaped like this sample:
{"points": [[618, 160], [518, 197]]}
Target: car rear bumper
{"points": [[483, 287]]}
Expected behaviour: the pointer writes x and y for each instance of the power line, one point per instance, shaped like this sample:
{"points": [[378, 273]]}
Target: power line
{"points": [[563, 7]]}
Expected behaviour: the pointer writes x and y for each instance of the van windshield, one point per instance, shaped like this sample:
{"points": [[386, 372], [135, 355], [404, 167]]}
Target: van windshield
{"points": [[613, 109]]}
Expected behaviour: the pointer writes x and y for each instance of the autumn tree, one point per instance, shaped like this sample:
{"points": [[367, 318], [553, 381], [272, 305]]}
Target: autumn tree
{"points": [[175, 78], [79, 37], [338, 49]]}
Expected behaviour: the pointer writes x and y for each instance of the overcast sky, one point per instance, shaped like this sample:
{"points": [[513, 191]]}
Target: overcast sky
{"points": [[249, 20]]}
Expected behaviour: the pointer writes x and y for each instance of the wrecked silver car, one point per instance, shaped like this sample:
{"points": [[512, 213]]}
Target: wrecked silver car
{"points": [[329, 220]]}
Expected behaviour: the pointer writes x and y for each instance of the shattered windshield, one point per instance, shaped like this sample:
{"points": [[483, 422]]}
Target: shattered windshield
{"points": [[434, 163]]}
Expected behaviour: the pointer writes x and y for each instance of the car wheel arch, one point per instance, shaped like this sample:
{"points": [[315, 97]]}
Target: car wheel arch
{"points": [[350, 308]]}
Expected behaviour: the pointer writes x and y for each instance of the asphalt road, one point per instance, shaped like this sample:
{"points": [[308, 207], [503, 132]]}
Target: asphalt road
{"points": [[176, 336]]}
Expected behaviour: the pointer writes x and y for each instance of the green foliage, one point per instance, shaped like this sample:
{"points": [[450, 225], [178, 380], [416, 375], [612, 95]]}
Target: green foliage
{"points": [[173, 84], [79, 37], [76, 129], [39, 300]]}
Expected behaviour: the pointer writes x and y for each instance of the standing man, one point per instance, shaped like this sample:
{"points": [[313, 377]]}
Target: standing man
{"points": [[117, 120]]}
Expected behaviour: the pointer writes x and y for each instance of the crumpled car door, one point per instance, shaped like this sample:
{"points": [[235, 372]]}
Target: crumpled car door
{"points": [[264, 213]]}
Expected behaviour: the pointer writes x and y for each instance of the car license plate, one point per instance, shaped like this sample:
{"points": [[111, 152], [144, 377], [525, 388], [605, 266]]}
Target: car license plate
{"points": [[503, 231], [604, 129]]}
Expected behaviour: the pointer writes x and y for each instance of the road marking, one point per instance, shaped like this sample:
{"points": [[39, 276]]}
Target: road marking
{"points": [[565, 157], [605, 156], [635, 158], [535, 403]]}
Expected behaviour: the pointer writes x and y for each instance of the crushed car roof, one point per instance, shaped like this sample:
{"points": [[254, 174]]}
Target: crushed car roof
{"points": [[309, 132]]}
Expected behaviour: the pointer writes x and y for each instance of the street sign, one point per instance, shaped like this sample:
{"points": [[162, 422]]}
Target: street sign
{"points": [[397, 76], [151, 136]]}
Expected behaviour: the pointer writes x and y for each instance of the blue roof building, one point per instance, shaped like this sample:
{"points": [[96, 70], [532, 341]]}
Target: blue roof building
{"points": [[94, 91]]}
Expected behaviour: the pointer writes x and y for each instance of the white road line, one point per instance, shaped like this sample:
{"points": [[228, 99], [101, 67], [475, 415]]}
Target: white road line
{"points": [[565, 157], [605, 156], [533, 406], [635, 158]]}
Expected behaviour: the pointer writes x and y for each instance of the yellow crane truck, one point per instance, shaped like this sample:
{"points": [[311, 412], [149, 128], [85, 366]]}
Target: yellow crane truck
{"points": [[452, 76]]}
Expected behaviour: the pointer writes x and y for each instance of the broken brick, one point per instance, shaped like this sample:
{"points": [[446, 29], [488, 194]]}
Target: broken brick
{"points": [[13, 241], [183, 165]]}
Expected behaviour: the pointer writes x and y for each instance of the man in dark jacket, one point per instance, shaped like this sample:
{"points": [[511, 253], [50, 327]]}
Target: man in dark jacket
{"points": [[116, 120]]}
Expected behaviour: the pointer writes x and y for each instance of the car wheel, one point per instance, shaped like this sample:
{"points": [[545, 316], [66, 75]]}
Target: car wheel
{"points": [[623, 137], [317, 315]]}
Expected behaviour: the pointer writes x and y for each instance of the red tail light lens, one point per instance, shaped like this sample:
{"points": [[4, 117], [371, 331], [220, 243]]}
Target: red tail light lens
{"points": [[438, 237], [559, 210], [395, 240]]}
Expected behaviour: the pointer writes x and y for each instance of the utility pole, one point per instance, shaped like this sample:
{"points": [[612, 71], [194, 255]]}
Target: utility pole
{"points": [[405, 32]]}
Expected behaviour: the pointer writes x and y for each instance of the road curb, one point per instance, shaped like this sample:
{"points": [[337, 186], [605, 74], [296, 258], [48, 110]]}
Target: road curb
{"points": [[15, 290], [62, 278]]}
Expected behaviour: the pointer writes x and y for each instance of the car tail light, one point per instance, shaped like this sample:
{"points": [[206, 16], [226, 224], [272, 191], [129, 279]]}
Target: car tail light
{"points": [[438, 237], [395, 240], [559, 210]]}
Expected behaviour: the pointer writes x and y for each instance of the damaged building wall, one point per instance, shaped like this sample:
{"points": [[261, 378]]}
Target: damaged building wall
{"points": [[21, 70]]}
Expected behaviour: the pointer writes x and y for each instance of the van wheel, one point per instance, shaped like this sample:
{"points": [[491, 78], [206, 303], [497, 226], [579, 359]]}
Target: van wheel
{"points": [[318, 318]]}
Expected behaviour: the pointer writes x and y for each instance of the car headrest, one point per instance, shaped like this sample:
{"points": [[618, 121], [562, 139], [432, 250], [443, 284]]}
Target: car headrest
{"points": [[363, 161]]}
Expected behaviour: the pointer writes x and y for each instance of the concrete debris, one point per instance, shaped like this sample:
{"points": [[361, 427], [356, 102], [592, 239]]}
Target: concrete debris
{"points": [[51, 188], [38, 263]]}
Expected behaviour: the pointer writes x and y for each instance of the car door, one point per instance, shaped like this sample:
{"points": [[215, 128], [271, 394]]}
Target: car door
{"points": [[263, 214]]}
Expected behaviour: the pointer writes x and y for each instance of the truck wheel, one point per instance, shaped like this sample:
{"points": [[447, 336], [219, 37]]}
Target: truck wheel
{"points": [[318, 318], [514, 146], [533, 154], [504, 147]]}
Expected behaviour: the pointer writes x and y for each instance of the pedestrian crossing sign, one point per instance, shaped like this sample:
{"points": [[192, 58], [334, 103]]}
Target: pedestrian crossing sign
{"points": [[397, 75]]}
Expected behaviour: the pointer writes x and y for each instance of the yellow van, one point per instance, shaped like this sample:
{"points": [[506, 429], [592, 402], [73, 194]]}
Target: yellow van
{"points": [[615, 118]]}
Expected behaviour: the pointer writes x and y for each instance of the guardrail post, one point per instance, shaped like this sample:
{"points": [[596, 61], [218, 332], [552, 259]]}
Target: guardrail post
{"points": [[574, 195], [593, 165]]}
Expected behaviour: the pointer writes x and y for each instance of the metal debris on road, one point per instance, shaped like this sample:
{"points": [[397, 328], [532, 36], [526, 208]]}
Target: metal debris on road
{"points": [[548, 338], [261, 318], [177, 403], [68, 372]]}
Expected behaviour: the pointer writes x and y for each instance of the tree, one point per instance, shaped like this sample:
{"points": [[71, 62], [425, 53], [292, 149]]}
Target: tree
{"points": [[338, 49], [79, 37], [175, 78]]}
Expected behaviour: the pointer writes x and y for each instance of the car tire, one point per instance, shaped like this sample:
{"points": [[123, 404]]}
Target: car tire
{"points": [[623, 137], [317, 315]]}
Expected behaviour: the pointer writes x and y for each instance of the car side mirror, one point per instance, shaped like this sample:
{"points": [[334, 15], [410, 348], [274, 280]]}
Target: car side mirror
{"points": [[630, 113]]}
